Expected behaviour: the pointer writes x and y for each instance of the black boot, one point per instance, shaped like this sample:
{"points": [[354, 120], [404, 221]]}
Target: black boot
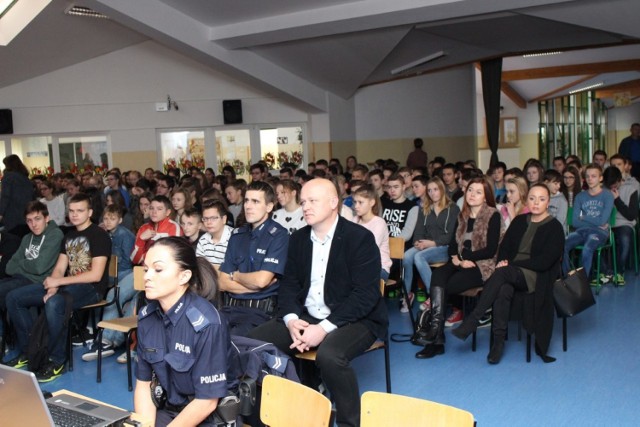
{"points": [[436, 323], [430, 350], [469, 326], [495, 354]]}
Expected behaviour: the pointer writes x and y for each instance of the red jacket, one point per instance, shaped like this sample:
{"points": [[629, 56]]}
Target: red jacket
{"points": [[164, 228]]}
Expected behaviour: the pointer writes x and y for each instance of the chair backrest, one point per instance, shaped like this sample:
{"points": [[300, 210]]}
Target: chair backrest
{"points": [[384, 409], [286, 403], [138, 278], [396, 248], [113, 267]]}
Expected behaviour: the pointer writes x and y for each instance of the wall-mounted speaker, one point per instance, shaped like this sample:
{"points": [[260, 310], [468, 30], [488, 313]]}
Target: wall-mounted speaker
{"points": [[232, 111], [6, 121]]}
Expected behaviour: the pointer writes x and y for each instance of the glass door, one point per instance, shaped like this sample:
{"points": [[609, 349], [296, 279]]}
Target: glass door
{"points": [[233, 148], [282, 146]]}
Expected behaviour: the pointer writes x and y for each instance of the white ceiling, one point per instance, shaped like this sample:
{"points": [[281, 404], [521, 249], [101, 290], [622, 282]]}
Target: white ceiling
{"points": [[300, 49]]}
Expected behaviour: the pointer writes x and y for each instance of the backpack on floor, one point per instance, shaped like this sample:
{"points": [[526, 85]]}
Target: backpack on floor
{"points": [[38, 348], [422, 327]]}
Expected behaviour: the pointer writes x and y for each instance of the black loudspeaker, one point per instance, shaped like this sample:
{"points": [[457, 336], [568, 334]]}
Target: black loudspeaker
{"points": [[232, 111], [6, 122]]}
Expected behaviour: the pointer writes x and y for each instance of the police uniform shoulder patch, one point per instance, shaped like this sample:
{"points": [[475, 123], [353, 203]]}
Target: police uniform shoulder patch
{"points": [[274, 230], [144, 312], [197, 319]]}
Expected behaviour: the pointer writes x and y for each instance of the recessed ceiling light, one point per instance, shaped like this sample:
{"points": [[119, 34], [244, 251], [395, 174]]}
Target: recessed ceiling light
{"points": [[85, 11], [582, 89], [533, 55]]}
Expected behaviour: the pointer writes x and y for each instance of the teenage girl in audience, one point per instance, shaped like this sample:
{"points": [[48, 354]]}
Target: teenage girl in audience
{"points": [[571, 183], [209, 174], [472, 260], [516, 203], [528, 261], [534, 172], [235, 196], [55, 204], [434, 229], [290, 214], [366, 205], [142, 213], [230, 173], [181, 201], [114, 197], [220, 182]]}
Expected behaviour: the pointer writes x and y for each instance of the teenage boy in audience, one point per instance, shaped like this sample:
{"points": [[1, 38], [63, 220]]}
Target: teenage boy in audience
{"points": [[600, 158], [626, 195], [35, 258], [122, 241], [164, 185], [80, 274], [254, 261], [258, 172], [624, 165], [591, 211], [213, 244], [113, 183], [448, 175], [235, 195], [559, 164], [359, 173], [399, 213], [376, 179], [160, 225], [190, 221], [558, 205], [497, 176]]}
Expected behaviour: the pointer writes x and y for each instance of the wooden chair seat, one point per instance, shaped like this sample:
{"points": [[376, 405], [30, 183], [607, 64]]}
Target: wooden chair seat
{"points": [[285, 403], [127, 325], [98, 304], [311, 354], [382, 409], [121, 324]]}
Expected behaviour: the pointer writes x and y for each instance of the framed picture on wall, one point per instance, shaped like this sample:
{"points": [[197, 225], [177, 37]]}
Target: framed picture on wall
{"points": [[508, 132]]}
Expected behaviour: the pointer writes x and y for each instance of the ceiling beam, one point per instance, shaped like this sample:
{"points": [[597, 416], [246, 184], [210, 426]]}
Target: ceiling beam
{"points": [[513, 95], [562, 88], [633, 87], [572, 70]]}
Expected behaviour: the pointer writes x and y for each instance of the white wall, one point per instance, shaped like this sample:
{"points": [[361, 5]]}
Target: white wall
{"points": [[117, 93], [433, 105]]}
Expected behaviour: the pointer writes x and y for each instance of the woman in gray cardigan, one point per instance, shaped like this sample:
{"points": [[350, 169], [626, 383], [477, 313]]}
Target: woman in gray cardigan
{"points": [[434, 229]]}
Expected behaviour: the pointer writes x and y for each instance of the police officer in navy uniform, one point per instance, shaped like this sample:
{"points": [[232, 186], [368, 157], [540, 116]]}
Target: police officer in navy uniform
{"points": [[255, 259], [185, 358]]}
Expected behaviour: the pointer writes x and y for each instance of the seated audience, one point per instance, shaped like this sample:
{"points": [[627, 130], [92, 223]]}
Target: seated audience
{"points": [[54, 203], [591, 213], [197, 369], [434, 230], [528, 261], [290, 213], [473, 256], [160, 225], [34, 259], [516, 203], [213, 244], [399, 213], [341, 314], [366, 205], [190, 222], [254, 263], [558, 206], [80, 276]]}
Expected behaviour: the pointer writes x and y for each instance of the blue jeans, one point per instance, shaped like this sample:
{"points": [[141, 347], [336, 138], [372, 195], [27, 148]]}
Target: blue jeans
{"points": [[421, 259], [591, 239], [624, 240], [125, 295], [21, 300], [7, 285]]}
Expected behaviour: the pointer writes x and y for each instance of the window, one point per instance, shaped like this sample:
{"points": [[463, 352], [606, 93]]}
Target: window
{"points": [[281, 145], [182, 149]]}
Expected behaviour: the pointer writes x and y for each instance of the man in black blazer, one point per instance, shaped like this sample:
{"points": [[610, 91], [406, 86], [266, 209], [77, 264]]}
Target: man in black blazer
{"points": [[329, 297]]}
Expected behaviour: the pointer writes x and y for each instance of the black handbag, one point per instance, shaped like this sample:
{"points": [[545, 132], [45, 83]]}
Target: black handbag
{"points": [[572, 295]]}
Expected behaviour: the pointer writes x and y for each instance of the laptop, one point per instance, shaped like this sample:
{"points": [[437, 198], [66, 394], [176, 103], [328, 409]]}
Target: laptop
{"points": [[22, 404]]}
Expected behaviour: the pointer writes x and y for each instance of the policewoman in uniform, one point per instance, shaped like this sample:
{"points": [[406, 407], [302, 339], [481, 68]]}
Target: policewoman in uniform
{"points": [[255, 259], [183, 344]]}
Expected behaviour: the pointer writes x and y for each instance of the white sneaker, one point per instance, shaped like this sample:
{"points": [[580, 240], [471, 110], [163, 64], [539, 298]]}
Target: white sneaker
{"points": [[92, 354], [123, 357]]}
